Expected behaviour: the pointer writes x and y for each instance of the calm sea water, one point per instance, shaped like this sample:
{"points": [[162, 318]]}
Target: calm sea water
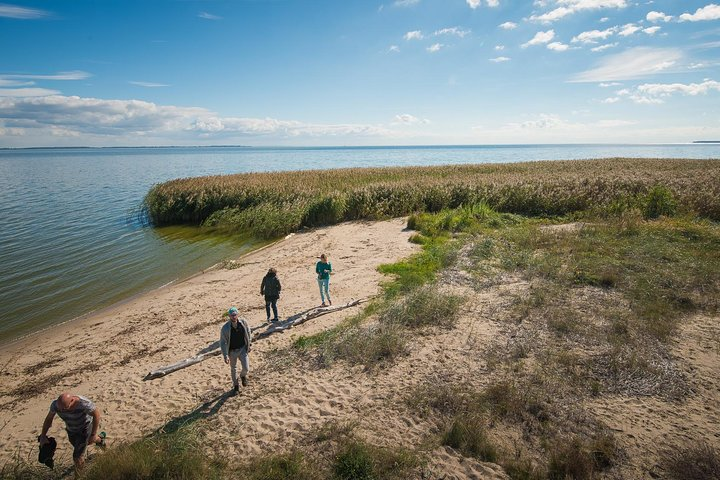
{"points": [[70, 244]]}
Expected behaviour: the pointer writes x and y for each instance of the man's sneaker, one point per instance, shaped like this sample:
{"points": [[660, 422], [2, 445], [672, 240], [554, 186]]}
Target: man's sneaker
{"points": [[275, 320], [244, 381], [236, 387]]}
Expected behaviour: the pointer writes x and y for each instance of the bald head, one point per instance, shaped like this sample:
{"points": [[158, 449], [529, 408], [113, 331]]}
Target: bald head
{"points": [[66, 401]]}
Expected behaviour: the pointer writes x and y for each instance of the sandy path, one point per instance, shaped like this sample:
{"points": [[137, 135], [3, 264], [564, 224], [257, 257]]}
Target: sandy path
{"points": [[106, 355]]}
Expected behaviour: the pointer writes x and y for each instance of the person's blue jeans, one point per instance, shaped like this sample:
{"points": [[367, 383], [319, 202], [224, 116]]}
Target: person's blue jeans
{"points": [[271, 302], [324, 284]]}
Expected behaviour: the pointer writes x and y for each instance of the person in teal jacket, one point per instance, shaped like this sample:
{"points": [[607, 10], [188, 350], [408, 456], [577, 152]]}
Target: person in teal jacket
{"points": [[323, 268]]}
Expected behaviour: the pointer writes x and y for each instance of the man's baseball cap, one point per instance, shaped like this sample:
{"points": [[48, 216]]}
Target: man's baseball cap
{"points": [[233, 311]]}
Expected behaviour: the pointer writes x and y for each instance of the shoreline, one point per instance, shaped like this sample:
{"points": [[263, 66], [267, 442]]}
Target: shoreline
{"points": [[8, 343], [105, 355]]}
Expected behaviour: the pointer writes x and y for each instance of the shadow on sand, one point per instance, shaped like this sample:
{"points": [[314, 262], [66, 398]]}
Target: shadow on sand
{"points": [[204, 410]]}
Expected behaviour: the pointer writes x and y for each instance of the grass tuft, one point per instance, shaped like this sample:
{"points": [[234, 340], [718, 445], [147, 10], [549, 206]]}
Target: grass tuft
{"points": [[699, 461], [468, 434], [162, 456]]}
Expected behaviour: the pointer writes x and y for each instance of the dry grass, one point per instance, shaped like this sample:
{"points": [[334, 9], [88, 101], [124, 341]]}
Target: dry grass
{"points": [[698, 461], [268, 205]]}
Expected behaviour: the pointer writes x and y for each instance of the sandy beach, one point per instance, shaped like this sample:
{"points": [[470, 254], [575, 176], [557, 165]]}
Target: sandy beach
{"points": [[105, 356]]}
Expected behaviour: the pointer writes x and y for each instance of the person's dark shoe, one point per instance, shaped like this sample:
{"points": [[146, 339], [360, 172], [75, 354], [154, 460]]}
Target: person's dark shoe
{"points": [[244, 381], [275, 320], [268, 321], [236, 388], [329, 302]]}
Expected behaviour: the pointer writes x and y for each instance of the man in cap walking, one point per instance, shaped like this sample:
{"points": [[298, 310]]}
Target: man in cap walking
{"points": [[235, 342]]}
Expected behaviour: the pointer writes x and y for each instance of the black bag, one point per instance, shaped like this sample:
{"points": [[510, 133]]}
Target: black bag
{"points": [[47, 451]]}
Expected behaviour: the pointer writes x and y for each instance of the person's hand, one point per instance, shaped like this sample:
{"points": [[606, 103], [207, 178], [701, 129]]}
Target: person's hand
{"points": [[43, 439], [94, 439], [227, 360]]}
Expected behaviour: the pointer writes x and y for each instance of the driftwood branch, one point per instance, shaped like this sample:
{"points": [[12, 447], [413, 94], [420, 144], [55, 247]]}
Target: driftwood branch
{"points": [[213, 349]]}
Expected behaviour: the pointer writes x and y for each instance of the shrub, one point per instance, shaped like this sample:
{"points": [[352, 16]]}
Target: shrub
{"points": [[19, 469], [287, 466], [581, 458], [699, 461], [659, 201], [354, 462], [326, 210], [368, 346], [467, 434], [422, 307], [162, 456]]}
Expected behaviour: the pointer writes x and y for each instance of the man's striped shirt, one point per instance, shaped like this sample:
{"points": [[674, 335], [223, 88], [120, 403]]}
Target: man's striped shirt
{"points": [[79, 418]]}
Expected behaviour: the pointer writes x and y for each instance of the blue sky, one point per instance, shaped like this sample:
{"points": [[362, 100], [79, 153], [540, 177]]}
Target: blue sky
{"points": [[358, 72]]}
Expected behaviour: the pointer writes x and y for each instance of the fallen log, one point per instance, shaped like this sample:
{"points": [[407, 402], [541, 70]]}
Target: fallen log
{"points": [[213, 349]]}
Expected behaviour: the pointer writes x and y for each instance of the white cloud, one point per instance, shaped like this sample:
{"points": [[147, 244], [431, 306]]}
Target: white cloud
{"points": [[73, 75], [457, 31], [508, 25], [4, 82], [611, 100], [476, 3], [656, 93], [709, 12], [26, 92], [557, 46], [668, 89], [128, 120], [628, 29], [549, 125], [604, 20], [26, 80], [500, 59], [604, 47], [655, 17], [568, 7], [499, 47], [208, 16], [633, 63], [405, 3], [407, 119], [609, 84], [593, 36], [148, 84], [435, 47], [414, 35], [394, 49], [540, 38], [651, 30], [22, 13]]}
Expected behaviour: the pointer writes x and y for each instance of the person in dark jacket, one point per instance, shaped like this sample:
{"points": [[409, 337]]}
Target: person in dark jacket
{"points": [[270, 288], [235, 340]]}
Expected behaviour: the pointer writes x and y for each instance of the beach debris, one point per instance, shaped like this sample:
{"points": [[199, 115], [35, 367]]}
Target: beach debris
{"points": [[213, 349]]}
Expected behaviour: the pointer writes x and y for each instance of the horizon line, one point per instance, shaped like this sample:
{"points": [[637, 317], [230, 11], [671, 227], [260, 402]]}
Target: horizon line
{"points": [[458, 145]]}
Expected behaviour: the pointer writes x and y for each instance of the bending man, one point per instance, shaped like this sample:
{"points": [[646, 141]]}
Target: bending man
{"points": [[82, 420]]}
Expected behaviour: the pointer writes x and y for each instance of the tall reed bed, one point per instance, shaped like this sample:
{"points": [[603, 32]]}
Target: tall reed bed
{"points": [[272, 204]]}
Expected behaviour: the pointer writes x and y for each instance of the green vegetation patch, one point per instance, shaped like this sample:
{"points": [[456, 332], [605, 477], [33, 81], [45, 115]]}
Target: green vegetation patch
{"points": [[268, 205], [175, 455]]}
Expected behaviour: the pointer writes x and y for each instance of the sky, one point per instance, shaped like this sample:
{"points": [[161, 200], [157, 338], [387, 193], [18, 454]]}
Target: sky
{"points": [[358, 72]]}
